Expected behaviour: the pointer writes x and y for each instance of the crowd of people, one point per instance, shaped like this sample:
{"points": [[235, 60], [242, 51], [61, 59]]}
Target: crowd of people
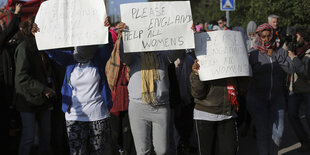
{"points": [[96, 99]]}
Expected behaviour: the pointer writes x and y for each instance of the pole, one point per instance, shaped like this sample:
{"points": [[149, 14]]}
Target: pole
{"points": [[227, 18]]}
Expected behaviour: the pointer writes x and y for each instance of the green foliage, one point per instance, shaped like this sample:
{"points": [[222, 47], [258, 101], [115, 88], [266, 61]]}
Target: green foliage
{"points": [[291, 12]]}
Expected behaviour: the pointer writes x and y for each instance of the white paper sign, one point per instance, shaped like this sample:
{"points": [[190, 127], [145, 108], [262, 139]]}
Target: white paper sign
{"points": [[156, 26], [221, 54], [68, 23]]}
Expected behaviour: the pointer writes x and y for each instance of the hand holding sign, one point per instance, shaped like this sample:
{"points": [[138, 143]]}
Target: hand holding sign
{"points": [[196, 66], [35, 29]]}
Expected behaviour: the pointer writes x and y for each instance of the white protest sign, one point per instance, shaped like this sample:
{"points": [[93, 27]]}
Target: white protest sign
{"points": [[221, 54], [156, 26], [68, 23]]}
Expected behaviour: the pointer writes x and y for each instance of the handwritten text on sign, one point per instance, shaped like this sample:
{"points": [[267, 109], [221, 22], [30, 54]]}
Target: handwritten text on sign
{"points": [[155, 26], [221, 54], [67, 23]]}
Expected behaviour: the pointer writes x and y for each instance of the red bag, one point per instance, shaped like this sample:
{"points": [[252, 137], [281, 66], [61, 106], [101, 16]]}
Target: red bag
{"points": [[120, 94]]}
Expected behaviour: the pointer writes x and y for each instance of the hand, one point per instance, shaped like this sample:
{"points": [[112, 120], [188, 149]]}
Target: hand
{"points": [[269, 52], [291, 55], [196, 66], [35, 29], [106, 22], [121, 27], [193, 28], [18, 8], [49, 93]]}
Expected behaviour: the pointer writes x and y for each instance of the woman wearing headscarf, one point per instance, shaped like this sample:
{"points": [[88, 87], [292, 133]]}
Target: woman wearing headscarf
{"points": [[149, 110], [86, 96], [266, 96], [251, 28]]}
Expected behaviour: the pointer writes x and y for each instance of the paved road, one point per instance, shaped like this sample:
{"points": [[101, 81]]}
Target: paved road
{"points": [[289, 144]]}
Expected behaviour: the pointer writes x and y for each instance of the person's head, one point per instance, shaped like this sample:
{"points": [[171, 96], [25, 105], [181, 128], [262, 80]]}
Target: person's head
{"points": [[221, 22], [205, 26], [251, 29], [302, 35], [273, 21], [201, 25], [198, 28], [265, 37], [84, 54], [26, 27]]}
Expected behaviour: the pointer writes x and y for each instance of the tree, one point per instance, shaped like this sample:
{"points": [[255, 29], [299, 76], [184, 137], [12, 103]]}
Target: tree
{"points": [[291, 12]]}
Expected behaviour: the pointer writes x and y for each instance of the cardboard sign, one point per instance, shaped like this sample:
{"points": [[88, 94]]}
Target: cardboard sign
{"points": [[156, 26], [68, 23], [221, 54]]}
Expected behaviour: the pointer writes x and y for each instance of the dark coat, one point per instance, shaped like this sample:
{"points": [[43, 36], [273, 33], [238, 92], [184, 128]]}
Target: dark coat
{"points": [[30, 78], [302, 80], [7, 61]]}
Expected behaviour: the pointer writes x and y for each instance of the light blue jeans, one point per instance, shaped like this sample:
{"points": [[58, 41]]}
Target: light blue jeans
{"points": [[268, 118], [150, 126]]}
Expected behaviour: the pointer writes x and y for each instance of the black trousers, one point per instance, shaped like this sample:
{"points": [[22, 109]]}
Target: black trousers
{"points": [[184, 122], [217, 137], [121, 134]]}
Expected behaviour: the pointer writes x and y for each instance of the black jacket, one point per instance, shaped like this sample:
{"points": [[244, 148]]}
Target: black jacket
{"points": [[30, 78], [301, 77], [7, 65]]}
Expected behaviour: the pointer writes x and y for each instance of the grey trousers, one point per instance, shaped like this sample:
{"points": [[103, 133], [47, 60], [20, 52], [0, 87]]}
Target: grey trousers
{"points": [[150, 127]]}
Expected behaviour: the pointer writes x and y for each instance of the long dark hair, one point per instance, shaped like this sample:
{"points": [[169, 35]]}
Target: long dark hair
{"points": [[26, 27]]}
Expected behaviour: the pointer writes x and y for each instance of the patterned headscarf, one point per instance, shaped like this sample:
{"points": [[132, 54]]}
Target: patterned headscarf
{"points": [[259, 44]]}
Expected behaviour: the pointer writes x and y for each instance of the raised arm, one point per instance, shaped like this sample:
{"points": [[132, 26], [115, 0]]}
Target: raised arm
{"points": [[10, 31], [199, 88], [127, 58], [63, 57], [286, 62]]}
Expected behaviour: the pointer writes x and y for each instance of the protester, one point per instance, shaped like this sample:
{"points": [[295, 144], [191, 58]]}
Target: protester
{"points": [[7, 60], [86, 96], [214, 114], [266, 96], [273, 20], [251, 29], [206, 26], [183, 102], [9, 115], [300, 87], [222, 23], [149, 110], [199, 28], [35, 93], [118, 76]]}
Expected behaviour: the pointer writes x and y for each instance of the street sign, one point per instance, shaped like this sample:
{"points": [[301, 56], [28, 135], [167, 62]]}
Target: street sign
{"points": [[227, 5]]}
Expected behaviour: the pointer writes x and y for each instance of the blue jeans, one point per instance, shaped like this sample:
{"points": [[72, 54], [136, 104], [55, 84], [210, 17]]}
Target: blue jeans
{"points": [[29, 122], [268, 118], [294, 102]]}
